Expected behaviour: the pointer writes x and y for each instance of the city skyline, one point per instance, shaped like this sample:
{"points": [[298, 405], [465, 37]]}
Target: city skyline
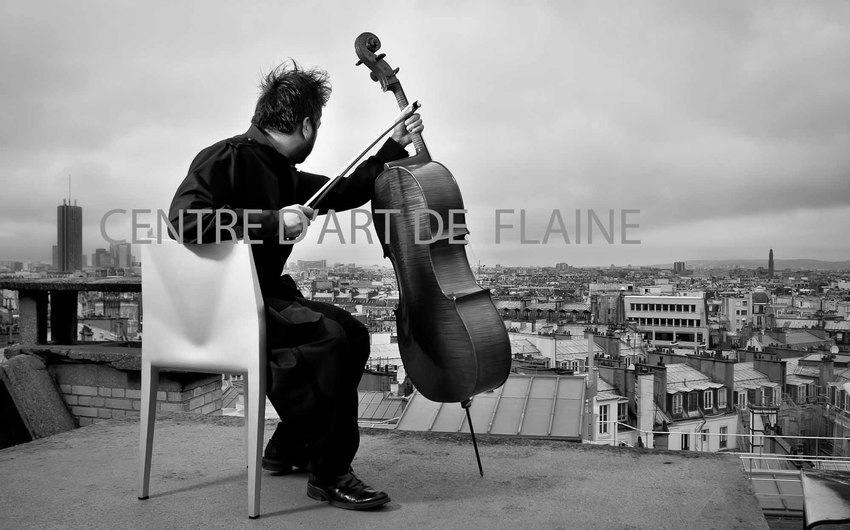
{"points": [[723, 124]]}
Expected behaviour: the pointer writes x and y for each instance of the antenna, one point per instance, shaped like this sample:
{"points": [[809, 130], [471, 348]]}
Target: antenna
{"points": [[69, 188]]}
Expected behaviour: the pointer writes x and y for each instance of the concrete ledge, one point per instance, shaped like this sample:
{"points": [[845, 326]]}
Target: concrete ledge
{"points": [[35, 396], [120, 357]]}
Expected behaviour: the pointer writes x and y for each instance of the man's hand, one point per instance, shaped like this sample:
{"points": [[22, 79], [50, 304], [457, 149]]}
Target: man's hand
{"points": [[294, 220], [403, 132]]}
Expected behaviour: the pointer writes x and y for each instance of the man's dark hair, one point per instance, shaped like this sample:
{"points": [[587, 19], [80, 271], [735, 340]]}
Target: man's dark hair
{"points": [[290, 93]]}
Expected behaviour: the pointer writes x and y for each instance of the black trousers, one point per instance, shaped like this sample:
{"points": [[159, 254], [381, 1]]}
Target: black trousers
{"points": [[317, 353]]}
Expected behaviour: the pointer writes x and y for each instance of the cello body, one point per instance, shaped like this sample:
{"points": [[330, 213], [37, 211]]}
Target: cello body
{"points": [[451, 338]]}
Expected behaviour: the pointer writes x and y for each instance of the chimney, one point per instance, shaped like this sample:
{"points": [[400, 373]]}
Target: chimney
{"points": [[645, 405], [826, 373]]}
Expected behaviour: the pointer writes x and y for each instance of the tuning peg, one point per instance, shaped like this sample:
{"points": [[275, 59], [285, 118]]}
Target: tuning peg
{"points": [[358, 63], [380, 56], [373, 76], [395, 71]]}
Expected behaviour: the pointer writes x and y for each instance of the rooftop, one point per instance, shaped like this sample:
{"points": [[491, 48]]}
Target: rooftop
{"points": [[86, 478]]}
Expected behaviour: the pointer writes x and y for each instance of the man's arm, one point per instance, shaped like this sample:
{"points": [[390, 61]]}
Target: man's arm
{"points": [[200, 211], [358, 188]]}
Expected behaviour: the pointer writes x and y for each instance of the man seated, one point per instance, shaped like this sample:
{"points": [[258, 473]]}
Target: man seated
{"points": [[317, 351]]}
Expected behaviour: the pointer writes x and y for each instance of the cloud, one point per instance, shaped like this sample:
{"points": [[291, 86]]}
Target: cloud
{"points": [[694, 113]]}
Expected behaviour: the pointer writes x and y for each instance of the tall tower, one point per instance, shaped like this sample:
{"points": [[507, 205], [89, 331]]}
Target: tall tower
{"points": [[770, 264], [69, 237]]}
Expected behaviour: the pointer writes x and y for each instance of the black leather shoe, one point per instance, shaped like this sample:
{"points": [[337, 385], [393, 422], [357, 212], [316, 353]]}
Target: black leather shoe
{"points": [[279, 460], [345, 491]]}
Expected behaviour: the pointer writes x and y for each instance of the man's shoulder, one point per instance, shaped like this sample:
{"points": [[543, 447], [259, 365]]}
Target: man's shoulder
{"points": [[235, 146], [234, 142]]}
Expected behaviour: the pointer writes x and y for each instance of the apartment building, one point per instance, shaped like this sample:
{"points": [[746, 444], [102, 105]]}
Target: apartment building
{"points": [[667, 321]]}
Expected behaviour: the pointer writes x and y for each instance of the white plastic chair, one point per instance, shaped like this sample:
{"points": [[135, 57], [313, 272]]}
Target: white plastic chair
{"points": [[203, 312]]}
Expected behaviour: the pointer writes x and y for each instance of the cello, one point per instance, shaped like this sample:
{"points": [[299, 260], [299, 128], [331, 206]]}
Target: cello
{"points": [[451, 338]]}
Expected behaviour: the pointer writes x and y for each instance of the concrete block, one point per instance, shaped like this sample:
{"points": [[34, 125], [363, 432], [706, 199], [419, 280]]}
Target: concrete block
{"points": [[118, 403], [90, 412], [98, 401], [36, 396], [66, 389], [89, 374], [104, 413], [84, 390], [208, 408], [173, 407], [133, 394], [84, 401], [71, 399], [118, 392], [86, 421], [196, 402], [104, 391]]}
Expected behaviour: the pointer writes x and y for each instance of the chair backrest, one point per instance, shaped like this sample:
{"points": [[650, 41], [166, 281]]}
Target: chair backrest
{"points": [[202, 306]]}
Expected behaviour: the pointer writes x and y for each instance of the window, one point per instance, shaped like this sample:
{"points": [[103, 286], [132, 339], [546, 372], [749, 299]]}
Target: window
{"points": [[742, 400], [603, 419], [801, 393], [721, 398], [707, 400], [622, 412], [677, 403], [724, 432], [693, 402], [777, 396], [704, 436]]}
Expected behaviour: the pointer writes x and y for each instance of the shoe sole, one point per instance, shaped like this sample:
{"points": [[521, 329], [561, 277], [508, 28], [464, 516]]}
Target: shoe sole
{"points": [[319, 494], [277, 467]]}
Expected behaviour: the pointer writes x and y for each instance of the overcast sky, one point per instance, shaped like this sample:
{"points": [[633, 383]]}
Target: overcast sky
{"points": [[726, 124]]}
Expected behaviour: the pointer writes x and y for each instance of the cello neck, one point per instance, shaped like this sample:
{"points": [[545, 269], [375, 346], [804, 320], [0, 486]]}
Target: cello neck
{"points": [[418, 142], [365, 46]]}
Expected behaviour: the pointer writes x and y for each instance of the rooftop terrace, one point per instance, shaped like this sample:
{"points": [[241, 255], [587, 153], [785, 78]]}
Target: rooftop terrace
{"points": [[86, 478]]}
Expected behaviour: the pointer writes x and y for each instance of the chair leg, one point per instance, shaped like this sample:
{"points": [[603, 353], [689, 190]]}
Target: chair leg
{"points": [[255, 405], [150, 383]]}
